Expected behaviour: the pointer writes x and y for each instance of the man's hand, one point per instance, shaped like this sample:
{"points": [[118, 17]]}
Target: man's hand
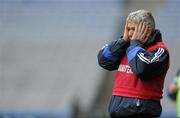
{"points": [[141, 32], [126, 37]]}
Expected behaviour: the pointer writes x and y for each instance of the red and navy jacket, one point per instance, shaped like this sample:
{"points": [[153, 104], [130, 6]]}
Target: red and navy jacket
{"points": [[141, 69]]}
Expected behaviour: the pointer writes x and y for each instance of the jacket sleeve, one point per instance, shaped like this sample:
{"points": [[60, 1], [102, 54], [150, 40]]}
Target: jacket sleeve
{"points": [[147, 64], [110, 55]]}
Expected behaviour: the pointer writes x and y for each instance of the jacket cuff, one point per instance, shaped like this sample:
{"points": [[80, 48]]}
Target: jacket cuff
{"points": [[135, 47], [123, 42], [120, 44], [134, 43]]}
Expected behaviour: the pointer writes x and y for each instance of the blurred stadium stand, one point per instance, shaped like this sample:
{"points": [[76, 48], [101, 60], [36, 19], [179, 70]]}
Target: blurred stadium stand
{"points": [[48, 54]]}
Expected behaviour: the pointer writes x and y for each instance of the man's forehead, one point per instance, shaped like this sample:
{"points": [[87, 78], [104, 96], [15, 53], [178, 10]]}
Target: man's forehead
{"points": [[131, 24]]}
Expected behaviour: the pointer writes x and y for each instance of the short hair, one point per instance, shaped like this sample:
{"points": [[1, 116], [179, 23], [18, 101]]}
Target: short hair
{"points": [[142, 15]]}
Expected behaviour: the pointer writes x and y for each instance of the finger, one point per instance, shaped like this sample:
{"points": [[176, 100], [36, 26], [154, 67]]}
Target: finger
{"points": [[125, 36], [145, 32], [135, 31], [126, 26], [146, 39], [136, 27], [149, 32], [142, 30], [140, 26], [148, 35]]}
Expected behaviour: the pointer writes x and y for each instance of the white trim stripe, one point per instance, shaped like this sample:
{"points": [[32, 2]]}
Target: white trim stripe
{"points": [[156, 57], [142, 58]]}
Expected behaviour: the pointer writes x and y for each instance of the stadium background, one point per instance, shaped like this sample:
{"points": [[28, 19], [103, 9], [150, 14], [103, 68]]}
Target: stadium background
{"points": [[48, 54]]}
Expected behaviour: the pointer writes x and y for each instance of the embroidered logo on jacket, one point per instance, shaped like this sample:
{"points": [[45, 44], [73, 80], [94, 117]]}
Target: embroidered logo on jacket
{"points": [[124, 68]]}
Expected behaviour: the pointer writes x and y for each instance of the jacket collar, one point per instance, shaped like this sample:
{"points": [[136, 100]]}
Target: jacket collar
{"points": [[155, 37]]}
